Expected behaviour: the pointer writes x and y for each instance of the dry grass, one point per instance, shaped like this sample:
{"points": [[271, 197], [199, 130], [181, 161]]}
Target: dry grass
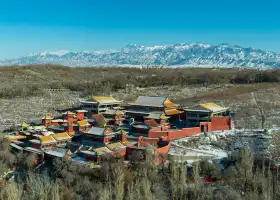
{"points": [[23, 96], [172, 182], [237, 97]]}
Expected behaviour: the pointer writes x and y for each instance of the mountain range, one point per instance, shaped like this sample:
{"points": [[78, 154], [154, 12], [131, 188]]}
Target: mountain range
{"points": [[176, 55]]}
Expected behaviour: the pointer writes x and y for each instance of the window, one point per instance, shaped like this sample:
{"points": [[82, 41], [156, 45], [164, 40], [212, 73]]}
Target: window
{"points": [[203, 115]]}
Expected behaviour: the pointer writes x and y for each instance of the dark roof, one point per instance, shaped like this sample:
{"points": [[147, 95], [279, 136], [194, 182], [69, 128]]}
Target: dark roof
{"points": [[138, 112], [16, 146], [197, 108], [91, 120], [150, 101], [96, 131], [80, 160], [57, 128], [72, 146], [57, 152], [93, 144]]}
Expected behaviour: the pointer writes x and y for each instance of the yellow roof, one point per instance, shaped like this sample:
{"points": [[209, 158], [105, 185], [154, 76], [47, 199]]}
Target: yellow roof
{"points": [[104, 99], [168, 103], [23, 124], [127, 142], [71, 133], [172, 111], [40, 128], [47, 117], [119, 112], [164, 117], [83, 122], [89, 152], [102, 150], [47, 139], [115, 146], [61, 136], [13, 138], [213, 107], [68, 113], [77, 111]]}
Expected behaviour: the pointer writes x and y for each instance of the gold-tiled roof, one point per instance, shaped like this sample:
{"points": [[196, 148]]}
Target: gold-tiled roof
{"points": [[83, 122], [168, 103], [68, 113], [105, 99], [81, 111], [13, 138], [47, 117], [24, 124], [213, 107], [102, 150], [47, 139], [115, 146], [172, 111], [61, 136]]}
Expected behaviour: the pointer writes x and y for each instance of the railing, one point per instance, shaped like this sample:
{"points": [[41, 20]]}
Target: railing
{"points": [[55, 90]]}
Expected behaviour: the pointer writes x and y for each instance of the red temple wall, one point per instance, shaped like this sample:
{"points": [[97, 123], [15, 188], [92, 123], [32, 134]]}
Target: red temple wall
{"points": [[172, 135], [220, 123]]}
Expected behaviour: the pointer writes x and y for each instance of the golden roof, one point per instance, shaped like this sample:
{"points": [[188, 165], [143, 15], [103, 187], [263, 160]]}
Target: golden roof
{"points": [[102, 150], [47, 117], [127, 142], [168, 103], [39, 128], [119, 112], [23, 124], [61, 136], [71, 133], [68, 113], [13, 138], [83, 122], [81, 111], [89, 152], [115, 146], [155, 115], [213, 107], [172, 111], [105, 99], [47, 139]]}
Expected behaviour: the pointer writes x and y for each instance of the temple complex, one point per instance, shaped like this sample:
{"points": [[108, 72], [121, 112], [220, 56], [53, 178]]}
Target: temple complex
{"points": [[99, 104]]}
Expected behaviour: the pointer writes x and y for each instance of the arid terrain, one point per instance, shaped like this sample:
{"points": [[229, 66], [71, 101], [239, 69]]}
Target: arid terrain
{"points": [[27, 93], [244, 99]]}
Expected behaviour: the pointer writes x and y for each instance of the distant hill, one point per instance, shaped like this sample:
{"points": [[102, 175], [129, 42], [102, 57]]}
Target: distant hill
{"points": [[177, 55]]}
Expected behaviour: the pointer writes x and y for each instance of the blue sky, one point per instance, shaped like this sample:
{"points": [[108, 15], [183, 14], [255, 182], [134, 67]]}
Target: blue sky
{"points": [[46, 25]]}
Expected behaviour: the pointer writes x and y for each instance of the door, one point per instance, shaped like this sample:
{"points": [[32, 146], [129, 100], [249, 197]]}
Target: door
{"points": [[202, 128]]}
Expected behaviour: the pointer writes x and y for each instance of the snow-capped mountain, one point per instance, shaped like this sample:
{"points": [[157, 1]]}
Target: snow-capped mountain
{"points": [[183, 54]]}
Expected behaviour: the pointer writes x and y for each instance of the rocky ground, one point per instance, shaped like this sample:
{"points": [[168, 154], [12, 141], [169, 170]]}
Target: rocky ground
{"points": [[246, 100], [31, 109], [219, 144]]}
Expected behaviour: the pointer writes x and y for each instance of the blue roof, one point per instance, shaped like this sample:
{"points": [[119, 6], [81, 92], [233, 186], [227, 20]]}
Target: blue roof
{"points": [[138, 112], [93, 144], [96, 131], [80, 160], [58, 152]]}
